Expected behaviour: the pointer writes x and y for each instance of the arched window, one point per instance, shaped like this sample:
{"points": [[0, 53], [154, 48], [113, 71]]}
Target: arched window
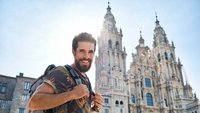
{"points": [[148, 82], [159, 57], [117, 45], [110, 44], [142, 94], [166, 57], [133, 98], [149, 99], [121, 103], [166, 103], [117, 103]]}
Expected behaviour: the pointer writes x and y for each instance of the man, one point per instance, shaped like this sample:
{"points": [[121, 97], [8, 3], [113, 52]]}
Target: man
{"points": [[60, 92]]}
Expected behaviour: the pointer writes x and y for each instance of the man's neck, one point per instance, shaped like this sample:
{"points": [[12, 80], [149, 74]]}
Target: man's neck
{"points": [[82, 73]]}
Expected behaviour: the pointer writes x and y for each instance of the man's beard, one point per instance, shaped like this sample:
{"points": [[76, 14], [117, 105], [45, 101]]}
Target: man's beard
{"points": [[83, 68]]}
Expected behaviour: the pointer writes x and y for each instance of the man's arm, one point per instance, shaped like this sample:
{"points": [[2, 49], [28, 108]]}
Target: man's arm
{"points": [[45, 98]]}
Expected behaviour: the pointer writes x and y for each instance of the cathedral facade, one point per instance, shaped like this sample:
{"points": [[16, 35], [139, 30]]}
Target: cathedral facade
{"points": [[153, 84]]}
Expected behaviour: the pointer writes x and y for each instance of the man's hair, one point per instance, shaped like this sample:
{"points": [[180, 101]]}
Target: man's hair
{"points": [[83, 37]]}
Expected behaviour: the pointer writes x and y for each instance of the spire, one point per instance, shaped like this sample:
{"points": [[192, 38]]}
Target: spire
{"points": [[108, 8], [141, 40], [109, 22], [157, 22], [159, 34]]}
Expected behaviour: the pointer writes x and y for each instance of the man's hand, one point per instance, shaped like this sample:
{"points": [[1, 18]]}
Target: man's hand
{"points": [[97, 98], [80, 91]]}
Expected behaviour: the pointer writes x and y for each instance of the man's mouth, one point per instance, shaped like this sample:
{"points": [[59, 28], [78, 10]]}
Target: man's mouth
{"points": [[85, 61]]}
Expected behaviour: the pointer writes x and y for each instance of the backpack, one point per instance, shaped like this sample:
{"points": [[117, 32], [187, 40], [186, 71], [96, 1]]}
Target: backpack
{"points": [[39, 81]]}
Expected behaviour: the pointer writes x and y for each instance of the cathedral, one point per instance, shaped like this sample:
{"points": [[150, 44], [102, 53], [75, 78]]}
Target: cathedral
{"points": [[153, 84]]}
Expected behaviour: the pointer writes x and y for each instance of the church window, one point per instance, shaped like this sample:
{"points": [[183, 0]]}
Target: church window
{"points": [[110, 44], [133, 99], [117, 103], [166, 57], [106, 101], [166, 103], [121, 103], [148, 82], [149, 99], [106, 111], [117, 45], [159, 57], [142, 94]]}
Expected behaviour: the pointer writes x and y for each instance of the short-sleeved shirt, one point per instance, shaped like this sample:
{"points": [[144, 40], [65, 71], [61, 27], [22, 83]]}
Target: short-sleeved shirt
{"points": [[61, 80]]}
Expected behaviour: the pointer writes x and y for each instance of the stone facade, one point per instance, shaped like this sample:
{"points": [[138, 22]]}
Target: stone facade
{"points": [[153, 84], [111, 67], [7, 86], [14, 93]]}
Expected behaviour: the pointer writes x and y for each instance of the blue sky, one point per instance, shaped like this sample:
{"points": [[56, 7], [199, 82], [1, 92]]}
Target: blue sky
{"points": [[36, 33]]}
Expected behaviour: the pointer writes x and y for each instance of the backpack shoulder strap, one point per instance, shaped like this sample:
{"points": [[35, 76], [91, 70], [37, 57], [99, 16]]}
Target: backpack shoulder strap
{"points": [[74, 74], [76, 77]]}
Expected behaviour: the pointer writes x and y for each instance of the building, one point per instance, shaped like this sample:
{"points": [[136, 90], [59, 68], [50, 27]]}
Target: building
{"points": [[14, 93], [111, 67], [153, 84]]}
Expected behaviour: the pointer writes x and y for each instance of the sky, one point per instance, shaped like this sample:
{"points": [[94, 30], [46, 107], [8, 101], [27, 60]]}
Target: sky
{"points": [[36, 33]]}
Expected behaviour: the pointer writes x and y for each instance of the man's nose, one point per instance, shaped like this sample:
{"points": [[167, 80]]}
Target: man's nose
{"points": [[86, 55]]}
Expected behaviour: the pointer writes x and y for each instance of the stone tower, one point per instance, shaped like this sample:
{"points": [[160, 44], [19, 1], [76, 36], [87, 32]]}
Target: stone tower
{"points": [[156, 82], [111, 67]]}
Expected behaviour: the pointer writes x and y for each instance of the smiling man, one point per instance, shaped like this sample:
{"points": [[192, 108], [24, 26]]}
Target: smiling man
{"points": [[59, 92]]}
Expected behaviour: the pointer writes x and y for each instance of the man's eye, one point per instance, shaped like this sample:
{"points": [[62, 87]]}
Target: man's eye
{"points": [[91, 52], [81, 50]]}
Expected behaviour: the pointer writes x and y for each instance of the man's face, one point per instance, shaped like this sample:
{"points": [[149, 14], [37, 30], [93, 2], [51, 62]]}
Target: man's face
{"points": [[84, 56]]}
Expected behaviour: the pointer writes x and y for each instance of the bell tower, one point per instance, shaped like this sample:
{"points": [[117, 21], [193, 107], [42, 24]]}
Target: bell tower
{"points": [[111, 67]]}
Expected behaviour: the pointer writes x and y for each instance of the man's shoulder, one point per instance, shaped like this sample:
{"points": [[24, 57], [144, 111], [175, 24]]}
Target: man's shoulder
{"points": [[62, 69], [60, 72]]}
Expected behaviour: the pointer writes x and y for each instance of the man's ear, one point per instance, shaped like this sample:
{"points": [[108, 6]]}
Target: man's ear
{"points": [[73, 51]]}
